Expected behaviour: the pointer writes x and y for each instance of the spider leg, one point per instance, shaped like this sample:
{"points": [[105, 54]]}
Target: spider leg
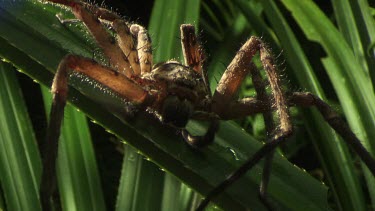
{"points": [[232, 78], [237, 71], [202, 141], [127, 44], [111, 49], [144, 47], [119, 83], [333, 119], [227, 87], [269, 147], [260, 88], [225, 92], [194, 56], [125, 37], [306, 99], [192, 51], [134, 41]]}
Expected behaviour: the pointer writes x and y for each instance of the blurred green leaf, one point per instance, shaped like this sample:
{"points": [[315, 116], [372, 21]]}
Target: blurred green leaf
{"points": [[78, 176], [20, 166]]}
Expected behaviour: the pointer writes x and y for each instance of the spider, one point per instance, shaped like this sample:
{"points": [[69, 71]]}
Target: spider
{"points": [[175, 93]]}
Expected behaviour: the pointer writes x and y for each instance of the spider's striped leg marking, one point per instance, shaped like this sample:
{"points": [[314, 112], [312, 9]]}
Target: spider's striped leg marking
{"points": [[127, 43], [191, 49], [125, 39], [194, 58], [193, 52], [111, 49], [144, 47]]}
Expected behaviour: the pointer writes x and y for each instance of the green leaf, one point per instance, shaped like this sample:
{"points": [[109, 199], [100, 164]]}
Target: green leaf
{"points": [[141, 183], [78, 176], [349, 78], [20, 166]]}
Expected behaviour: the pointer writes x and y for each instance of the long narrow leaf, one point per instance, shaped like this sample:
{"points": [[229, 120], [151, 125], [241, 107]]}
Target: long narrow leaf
{"points": [[19, 158], [334, 153], [78, 176], [348, 76]]}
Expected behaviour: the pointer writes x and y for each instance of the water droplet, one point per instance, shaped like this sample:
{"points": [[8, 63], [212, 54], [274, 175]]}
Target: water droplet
{"points": [[233, 152], [131, 157]]}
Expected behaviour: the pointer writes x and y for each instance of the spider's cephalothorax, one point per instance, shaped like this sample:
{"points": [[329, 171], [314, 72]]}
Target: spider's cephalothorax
{"points": [[177, 92], [182, 91]]}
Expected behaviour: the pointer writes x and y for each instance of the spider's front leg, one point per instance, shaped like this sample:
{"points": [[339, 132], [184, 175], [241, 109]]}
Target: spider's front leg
{"points": [[119, 83], [133, 39], [194, 58], [130, 53]]}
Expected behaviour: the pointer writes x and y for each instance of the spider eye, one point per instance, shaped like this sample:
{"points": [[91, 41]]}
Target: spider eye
{"points": [[176, 112]]}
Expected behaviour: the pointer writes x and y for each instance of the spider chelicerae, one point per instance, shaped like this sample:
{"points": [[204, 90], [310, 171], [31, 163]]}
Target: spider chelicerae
{"points": [[176, 93]]}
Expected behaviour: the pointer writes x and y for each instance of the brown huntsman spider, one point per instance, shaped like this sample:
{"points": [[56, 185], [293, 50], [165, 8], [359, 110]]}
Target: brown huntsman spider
{"points": [[176, 92]]}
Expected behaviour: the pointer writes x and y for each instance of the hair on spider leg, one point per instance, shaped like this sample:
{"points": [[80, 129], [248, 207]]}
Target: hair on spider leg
{"points": [[279, 54], [103, 5]]}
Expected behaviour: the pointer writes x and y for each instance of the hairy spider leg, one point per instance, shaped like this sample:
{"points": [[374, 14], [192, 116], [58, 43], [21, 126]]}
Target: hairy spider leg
{"points": [[126, 40], [117, 59], [228, 85], [280, 104], [191, 49], [231, 80], [306, 99], [119, 83], [193, 52], [260, 88], [144, 47], [194, 58]]}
